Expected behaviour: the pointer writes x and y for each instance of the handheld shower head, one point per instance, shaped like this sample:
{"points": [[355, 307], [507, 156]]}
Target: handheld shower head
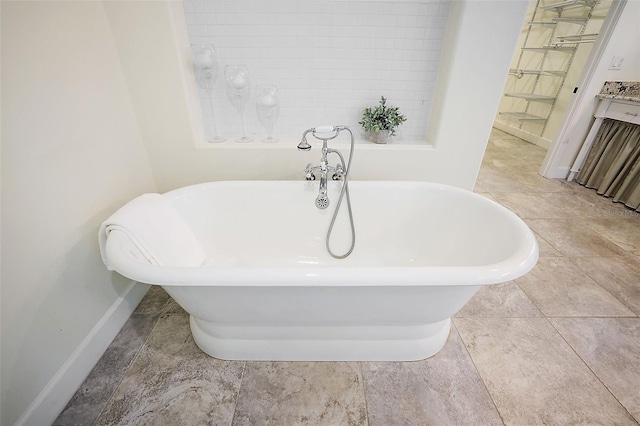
{"points": [[304, 145]]}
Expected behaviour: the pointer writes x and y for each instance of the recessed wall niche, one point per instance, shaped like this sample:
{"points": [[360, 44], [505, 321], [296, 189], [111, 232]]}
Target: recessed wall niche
{"points": [[329, 59]]}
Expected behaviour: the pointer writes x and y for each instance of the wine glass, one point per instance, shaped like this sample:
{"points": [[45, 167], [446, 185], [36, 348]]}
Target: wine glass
{"points": [[267, 108], [238, 91], [205, 67]]}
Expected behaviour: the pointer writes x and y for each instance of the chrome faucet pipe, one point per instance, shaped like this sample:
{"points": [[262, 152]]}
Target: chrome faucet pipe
{"points": [[324, 133]]}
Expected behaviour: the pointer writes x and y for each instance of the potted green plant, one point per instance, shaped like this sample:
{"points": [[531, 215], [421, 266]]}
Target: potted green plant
{"points": [[381, 121]]}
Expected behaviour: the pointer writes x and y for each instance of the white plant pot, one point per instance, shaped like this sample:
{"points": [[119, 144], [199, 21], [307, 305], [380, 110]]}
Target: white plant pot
{"points": [[381, 136]]}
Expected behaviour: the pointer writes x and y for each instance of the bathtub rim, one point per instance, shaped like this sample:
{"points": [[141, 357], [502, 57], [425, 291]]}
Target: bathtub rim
{"points": [[118, 245], [134, 266], [519, 263]]}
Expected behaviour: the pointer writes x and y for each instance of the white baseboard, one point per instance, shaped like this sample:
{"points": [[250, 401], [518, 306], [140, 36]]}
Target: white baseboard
{"points": [[61, 388], [558, 173], [531, 138]]}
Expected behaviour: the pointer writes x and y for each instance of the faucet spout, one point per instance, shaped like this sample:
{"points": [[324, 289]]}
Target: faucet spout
{"points": [[322, 200], [323, 183]]}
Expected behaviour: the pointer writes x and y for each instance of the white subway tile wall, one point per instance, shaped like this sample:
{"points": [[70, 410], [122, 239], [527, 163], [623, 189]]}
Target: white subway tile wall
{"points": [[329, 59]]}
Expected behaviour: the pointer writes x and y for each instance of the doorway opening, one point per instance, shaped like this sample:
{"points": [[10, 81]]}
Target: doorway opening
{"points": [[553, 50]]}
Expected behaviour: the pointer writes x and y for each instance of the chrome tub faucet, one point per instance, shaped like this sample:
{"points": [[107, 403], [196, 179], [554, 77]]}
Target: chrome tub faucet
{"points": [[340, 171], [323, 133]]}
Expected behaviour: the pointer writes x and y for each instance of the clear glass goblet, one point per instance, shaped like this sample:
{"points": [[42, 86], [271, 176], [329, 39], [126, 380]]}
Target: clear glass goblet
{"points": [[268, 109], [205, 67], [238, 91]]}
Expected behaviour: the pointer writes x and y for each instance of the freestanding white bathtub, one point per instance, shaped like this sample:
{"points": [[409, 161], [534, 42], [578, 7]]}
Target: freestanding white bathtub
{"points": [[268, 289]]}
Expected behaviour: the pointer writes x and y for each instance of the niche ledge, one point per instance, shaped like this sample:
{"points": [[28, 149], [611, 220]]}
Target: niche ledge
{"points": [[291, 143]]}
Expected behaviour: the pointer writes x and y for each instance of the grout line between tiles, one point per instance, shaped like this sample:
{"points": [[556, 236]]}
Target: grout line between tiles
{"points": [[475, 368], [588, 366], [133, 360], [235, 407], [591, 316], [364, 392], [607, 291], [595, 229]]}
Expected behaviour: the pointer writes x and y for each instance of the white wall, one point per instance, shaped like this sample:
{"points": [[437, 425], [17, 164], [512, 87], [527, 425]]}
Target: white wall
{"points": [[623, 42], [94, 93], [465, 103], [72, 154], [328, 58]]}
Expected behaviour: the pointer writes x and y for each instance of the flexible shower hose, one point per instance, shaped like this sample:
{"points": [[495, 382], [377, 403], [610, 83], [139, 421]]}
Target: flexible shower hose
{"points": [[345, 190]]}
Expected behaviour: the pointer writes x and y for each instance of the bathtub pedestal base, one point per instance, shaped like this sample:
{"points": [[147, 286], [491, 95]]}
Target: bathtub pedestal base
{"points": [[320, 343]]}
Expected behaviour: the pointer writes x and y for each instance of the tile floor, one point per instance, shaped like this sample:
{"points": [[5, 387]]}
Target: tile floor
{"points": [[559, 346]]}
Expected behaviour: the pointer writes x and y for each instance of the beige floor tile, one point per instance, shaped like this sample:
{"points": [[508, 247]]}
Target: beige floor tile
{"points": [[535, 182], [584, 203], [172, 382], [442, 390], [534, 377], [624, 232], [532, 155], [153, 302], [609, 208], [545, 249], [512, 165], [301, 393], [611, 349], [495, 181], [487, 196], [172, 307], [499, 301], [573, 238], [94, 393], [559, 288], [620, 276], [531, 205], [502, 142], [498, 160], [481, 188]]}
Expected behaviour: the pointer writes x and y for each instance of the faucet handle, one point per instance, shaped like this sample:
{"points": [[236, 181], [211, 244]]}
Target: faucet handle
{"points": [[308, 172], [338, 172]]}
